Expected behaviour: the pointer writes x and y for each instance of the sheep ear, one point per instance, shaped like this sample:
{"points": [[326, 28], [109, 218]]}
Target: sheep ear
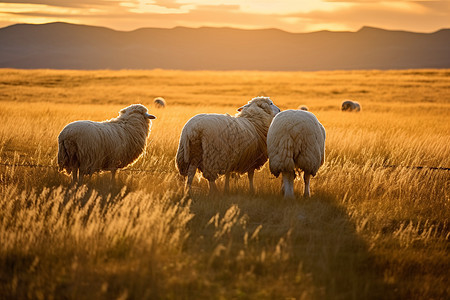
{"points": [[242, 107], [149, 116]]}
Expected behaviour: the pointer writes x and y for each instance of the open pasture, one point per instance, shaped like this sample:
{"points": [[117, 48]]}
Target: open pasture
{"points": [[376, 226]]}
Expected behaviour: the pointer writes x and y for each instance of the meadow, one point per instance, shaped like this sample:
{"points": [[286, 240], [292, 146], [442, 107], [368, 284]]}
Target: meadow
{"points": [[376, 225]]}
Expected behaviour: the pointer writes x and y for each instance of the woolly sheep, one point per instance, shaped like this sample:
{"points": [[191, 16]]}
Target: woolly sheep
{"points": [[86, 147], [349, 105], [221, 144], [159, 102], [296, 140], [303, 107]]}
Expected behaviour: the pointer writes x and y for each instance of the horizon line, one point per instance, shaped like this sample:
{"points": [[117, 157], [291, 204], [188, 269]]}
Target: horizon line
{"points": [[229, 27]]}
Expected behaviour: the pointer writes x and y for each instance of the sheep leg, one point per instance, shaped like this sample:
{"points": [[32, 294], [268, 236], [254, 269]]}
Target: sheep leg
{"points": [[306, 178], [113, 176], [288, 184], [191, 173], [250, 180], [226, 188], [213, 188], [74, 175], [80, 177]]}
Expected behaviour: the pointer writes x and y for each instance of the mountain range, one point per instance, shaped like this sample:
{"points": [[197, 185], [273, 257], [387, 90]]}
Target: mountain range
{"points": [[69, 46]]}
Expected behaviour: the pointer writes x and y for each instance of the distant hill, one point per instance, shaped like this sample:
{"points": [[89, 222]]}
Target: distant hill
{"points": [[69, 46]]}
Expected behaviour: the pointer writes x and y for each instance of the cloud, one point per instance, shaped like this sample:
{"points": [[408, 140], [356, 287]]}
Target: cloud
{"points": [[168, 3], [219, 8], [390, 15], [129, 15], [62, 3], [432, 5], [435, 6], [203, 15], [369, 1]]}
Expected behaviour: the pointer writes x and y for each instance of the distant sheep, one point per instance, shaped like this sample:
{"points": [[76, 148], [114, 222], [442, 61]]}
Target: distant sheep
{"points": [[221, 144], [86, 147], [296, 140], [303, 107], [350, 105], [159, 102]]}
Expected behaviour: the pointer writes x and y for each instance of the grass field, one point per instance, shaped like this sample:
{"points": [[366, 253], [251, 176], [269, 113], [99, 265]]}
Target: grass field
{"points": [[368, 232]]}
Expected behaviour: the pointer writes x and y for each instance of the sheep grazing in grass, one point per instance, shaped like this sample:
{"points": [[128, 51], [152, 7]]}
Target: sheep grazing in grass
{"points": [[86, 147], [159, 102], [303, 107], [349, 105], [295, 141], [221, 144]]}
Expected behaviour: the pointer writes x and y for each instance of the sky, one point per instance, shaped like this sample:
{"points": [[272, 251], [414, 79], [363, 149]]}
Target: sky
{"points": [[288, 15]]}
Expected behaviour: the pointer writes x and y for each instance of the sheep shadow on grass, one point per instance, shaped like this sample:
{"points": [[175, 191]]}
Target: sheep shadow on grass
{"points": [[310, 247]]}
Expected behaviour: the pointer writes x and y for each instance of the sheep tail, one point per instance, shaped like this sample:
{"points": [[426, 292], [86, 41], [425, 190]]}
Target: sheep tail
{"points": [[66, 156], [182, 158], [63, 156]]}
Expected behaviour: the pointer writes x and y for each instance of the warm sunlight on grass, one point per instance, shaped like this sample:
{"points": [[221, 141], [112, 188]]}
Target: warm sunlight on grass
{"points": [[376, 227]]}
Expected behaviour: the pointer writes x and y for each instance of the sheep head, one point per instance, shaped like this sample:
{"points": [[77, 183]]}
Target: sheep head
{"points": [[135, 109], [347, 105], [259, 103]]}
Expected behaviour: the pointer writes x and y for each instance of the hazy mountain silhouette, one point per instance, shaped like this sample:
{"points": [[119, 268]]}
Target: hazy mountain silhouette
{"points": [[69, 46]]}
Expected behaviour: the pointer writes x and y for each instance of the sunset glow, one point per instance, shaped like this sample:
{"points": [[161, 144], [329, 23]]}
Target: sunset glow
{"points": [[289, 15]]}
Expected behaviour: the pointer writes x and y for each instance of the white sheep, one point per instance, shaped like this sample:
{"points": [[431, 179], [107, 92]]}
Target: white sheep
{"points": [[296, 140], [303, 107], [159, 102], [221, 144], [86, 147], [349, 105]]}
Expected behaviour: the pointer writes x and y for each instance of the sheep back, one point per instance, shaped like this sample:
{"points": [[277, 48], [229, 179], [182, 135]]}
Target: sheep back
{"points": [[349, 105], [159, 102], [219, 144], [296, 139]]}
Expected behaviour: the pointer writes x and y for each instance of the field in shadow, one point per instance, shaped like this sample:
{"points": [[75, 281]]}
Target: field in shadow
{"points": [[304, 247]]}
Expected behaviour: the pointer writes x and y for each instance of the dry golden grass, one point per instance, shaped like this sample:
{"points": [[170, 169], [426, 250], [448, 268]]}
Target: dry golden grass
{"points": [[368, 231]]}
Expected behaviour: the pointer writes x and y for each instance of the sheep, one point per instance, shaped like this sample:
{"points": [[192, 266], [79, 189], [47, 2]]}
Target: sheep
{"points": [[222, 144], [349, 105], [159, 102], [303, 107], [295, 140], [86, 147]]}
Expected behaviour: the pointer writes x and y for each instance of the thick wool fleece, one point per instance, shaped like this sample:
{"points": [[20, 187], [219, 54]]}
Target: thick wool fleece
{"points": [[219, 144], [296, 140], [159, 102], [349, 105], [99, 146]]}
